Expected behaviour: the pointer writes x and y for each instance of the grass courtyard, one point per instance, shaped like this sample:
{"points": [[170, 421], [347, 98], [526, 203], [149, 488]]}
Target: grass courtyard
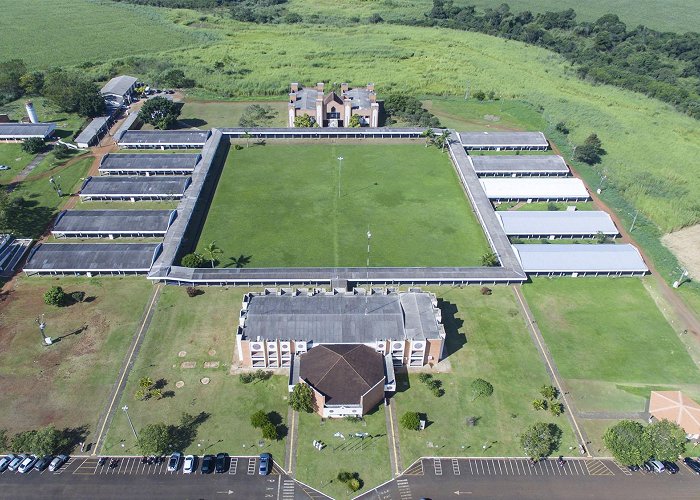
{"points": [[185, 334], [66, 384], [486, 338], [279, 205], [610, 342]]}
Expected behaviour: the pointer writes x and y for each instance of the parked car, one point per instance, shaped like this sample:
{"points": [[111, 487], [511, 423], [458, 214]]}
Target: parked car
{"points": [[222, 462], [692, 464], [174, 462], [26, 464], [16, 461], [671, 467], [657, 466], [43, 462], [190, 464], [633, 468], [647, 467], [5, 462], [4, 167], [264, 466], [57, 462], [208, 462]]}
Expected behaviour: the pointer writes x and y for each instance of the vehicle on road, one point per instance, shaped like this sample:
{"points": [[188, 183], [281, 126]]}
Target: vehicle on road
{"points": [[43, 462], [692, 464], [190, 464], [264, 467], [208, 462], [26, 464], [222, 462], [57, 462], [4, 167], [174, 462], [5, 462], [15, 463]]}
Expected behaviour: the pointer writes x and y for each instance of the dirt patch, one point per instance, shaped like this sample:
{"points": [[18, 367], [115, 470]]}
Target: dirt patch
{"points": [[179, 384], [188, 364], [182, 354], [211, 364], [684, 244], [492, 118], [205, 380], [212, 352]]}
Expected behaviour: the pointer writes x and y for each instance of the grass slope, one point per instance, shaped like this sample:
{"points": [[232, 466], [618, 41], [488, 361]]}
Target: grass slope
{"points": [[279, 205], [610, 341], [13, 156], [66, 384], [200, 327], [486, 338]]}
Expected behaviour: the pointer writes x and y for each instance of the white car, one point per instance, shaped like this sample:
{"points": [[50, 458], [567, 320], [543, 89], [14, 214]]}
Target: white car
{"points": [[190, 464], [27, 464], [16, 461], [174, 462], [4, 167]]}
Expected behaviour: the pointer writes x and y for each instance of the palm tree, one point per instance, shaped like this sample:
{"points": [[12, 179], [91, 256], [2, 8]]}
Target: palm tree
{"points": [[429, 135], [212, 251], [442, 139], [247, 136]]}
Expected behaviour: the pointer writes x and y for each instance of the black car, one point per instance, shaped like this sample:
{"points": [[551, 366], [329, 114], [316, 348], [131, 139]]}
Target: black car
{"points": [[648, 467], [222, 462], [671, 467], [633, 468], [43, 462], [694, 466], [208, 464]]}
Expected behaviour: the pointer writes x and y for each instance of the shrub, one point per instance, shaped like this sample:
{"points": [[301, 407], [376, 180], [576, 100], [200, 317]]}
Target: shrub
{"points": [[539, 404], [479, 95], [410, 421], [353, 419], [344, 476], [481, 387], [246, 378], [438, 392], [556, 408], [33, 145], [552, 207], [486, 290], [192, 260], [77, 296], [489, 259], [192, 291], [259, 419], [561, 127], [375, 19], [472, 421], [237, 147], [425, 377], [354, 484], [262, 375], [55, 296], [269, 431], [293, 18], [61, 151], [550, 392]]}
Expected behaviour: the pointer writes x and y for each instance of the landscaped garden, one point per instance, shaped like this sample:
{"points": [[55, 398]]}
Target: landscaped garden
{"points": [[187, 353], [296, 206], [486, 339], [66, 384]]}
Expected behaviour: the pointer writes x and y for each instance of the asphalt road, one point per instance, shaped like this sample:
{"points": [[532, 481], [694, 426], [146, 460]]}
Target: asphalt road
{"points": [[82, 478], [513, 478]]}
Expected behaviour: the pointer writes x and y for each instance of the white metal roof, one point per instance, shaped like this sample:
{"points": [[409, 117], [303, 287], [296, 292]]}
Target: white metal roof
{"points": [[582, 258], [517, 223], [119, 85], [503, 139], [544, 188], [506, 164]]}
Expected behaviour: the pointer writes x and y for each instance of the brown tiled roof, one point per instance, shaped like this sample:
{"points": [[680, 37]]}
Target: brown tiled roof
{"points": [[343, 373], [332, 97]]}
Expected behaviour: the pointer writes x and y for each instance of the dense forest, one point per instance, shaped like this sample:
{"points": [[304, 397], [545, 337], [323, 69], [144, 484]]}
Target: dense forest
{"points": [[661, 65]]}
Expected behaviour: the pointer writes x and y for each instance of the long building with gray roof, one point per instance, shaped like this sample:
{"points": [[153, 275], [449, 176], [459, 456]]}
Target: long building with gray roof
{"points": [[519, 165], [148, 164], [163, 139], [134, 188], [559, 224], [113, 223], [15, 132], [581, 260], [500, 141]]}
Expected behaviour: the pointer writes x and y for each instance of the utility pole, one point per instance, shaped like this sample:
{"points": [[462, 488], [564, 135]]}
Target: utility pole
{"points": [[126, 410], [340, 172], [634, 221], [369, 236]]}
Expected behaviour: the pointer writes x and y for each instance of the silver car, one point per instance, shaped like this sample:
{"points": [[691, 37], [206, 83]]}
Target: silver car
{"points": [[15, 463], [5, 461]]}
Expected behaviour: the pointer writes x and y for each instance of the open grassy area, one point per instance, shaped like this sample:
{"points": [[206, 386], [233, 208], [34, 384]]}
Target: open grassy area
{"points": [[13, 156], [210, 114], [540, 206], [369, 457], [67, 383], [202, 327], [486, 338], [279, 205], [67, 124], [610, 342], [465, 115]]}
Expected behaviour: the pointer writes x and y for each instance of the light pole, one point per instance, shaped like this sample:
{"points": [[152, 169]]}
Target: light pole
{"points": [[42, 327], [126, 410], [369, 236], [340, 172], [600, 186], [634, 221], [677, 283]]}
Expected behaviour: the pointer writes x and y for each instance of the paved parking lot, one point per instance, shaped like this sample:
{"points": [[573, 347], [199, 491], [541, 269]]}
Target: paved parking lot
{"points": [[83, 477], [519, 478]]}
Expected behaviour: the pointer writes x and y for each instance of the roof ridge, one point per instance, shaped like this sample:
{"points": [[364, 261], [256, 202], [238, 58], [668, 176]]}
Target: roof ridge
{"points": [[338, 358]]}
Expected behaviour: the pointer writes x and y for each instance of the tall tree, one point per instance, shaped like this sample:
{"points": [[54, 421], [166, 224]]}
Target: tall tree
{"points": [[540, 439], [667, 440], [160, 112], [257, 115], [10, 75], [154, 439], [212, 250], [628, 443], [302, 398]]}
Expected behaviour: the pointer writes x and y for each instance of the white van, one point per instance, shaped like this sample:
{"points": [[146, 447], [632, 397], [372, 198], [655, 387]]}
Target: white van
{"points": [[657, 466]]}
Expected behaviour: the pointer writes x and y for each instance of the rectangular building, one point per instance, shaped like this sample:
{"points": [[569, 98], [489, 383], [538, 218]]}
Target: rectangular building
{"points": [[113, 223], [119, 90], [334, 109], [503, 141], [163, 139], [148, 164], [519, 165], [557, 224], [535, 189], [18, 132], [134, 188], [581, 260]]}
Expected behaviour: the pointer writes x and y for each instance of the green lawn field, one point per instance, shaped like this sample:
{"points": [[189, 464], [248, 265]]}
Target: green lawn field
{"points": [[279, 205], [486, 338], [198, 330], [208, 114], [67, 383], [13, 156], [610, 342]]}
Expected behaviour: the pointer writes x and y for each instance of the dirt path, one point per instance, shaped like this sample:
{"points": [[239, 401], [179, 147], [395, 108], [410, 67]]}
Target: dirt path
{"points": [[689, 321]]}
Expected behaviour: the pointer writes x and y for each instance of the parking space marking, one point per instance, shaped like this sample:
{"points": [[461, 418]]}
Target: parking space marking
{"points": [[233, 468], [455, 467], [437, 465], [415, 470], [624, 470], [404, 489], [251, 466]]}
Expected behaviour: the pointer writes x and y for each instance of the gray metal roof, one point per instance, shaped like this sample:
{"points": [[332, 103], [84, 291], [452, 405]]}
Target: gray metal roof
{"points": [[119, 85], [557, 258], [306, 99], [164, 137], [339, 319], [22, 130], [146, 186], [93, 128], [112, 221], [525, 223], [519, 163], [92, 257], [545, 188], [149, 161], [502, 139], [359, 97]]}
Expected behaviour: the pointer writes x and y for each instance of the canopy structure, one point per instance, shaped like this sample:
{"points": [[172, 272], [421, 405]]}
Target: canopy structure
{"points": [[676, 407]]}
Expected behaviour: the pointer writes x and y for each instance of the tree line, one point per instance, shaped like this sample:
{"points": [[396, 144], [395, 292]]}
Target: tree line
{"points": [[663, 65]]}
